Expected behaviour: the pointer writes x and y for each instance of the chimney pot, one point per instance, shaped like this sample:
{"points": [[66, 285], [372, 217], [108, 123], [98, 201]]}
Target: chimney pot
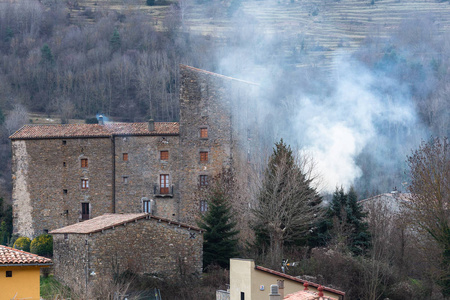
{"points": [[151, 125], [100, 120]]}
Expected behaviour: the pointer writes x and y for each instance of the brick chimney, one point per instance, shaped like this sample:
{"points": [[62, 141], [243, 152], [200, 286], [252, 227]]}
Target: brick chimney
{"points": [[151, 125]]}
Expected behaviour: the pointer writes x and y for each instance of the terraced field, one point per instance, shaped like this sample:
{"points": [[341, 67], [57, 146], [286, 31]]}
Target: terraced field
{"points": [[324, 25]]}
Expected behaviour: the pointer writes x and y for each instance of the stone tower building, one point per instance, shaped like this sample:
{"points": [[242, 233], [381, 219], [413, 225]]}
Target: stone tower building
{"points": [[64, 174]]}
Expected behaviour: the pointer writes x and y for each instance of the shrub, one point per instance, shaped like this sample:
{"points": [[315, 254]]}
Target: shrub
{"points": [[42, 245], [22, 243]]}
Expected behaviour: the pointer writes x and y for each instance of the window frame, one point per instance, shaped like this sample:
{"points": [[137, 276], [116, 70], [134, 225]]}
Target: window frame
{"points": [[164, 155], [84, 163], [203, 133], [84, 183], [203, 180], [204, 156], [164, 184], [85, 210], [147, 206], [8, 274], [125, 156], [203, 206]]}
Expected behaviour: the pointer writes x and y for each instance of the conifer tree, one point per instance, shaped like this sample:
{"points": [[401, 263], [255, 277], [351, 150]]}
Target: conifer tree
{"points": [[47, 56], [115, 41], [219, 243], [287, 205]]}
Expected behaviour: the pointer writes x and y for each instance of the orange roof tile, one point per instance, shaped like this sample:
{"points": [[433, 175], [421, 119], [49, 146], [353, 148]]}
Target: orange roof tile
{"points": [[299, 280], [107, 221], [93, 130], [11, 256], [306, 295]]}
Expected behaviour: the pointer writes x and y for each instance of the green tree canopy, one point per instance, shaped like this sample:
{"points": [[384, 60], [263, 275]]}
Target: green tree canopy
{"points": [[220, 243], [288, 204]]}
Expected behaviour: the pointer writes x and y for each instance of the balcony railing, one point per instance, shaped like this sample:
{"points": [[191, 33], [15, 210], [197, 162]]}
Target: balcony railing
{"points": [[158, 191]]}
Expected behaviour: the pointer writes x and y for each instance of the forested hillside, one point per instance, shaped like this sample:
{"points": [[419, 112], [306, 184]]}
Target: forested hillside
{"points": [[77, 59]]}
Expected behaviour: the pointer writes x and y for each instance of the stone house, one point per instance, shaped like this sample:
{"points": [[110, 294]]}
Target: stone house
{"points": [[64, 174], [97, 249]]}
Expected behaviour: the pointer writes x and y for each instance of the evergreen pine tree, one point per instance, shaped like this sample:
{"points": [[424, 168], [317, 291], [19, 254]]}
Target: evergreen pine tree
{"points": [[348, 214], [47, 56], [115, 41], [219, 243]]}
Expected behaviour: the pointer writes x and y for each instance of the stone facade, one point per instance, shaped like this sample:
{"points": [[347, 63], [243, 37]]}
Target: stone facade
{"points": [[87, 252], [124, 167]]}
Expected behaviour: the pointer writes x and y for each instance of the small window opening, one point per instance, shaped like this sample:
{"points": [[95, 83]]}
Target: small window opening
{"points": [[85, 211], [203, 156], [64, 163], [164, 155], [146, 206], [203, 205], [65, 192], [45, 231], [84, 184], [84, 162], [125, 156], [125, 179], [64, 142], [8, 273], [203, 133], [66, 236], [203, 180]]}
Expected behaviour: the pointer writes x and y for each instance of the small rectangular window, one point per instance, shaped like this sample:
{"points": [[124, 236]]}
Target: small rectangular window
{"points": [[203, 205], [66, 236], [203, 133], [65, 192], [203, 156], [45, 231], [203, 180], [84, 184], [64, 163], [84, 162], [84, 211], [164, 155], [8, 273], [125, 179], [64, 142], [125, 156], [146, 206]]}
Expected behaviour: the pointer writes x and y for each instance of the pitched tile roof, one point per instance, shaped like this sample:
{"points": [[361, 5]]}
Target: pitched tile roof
{"points": [[11, 256], [306, 295], [298, 280], [94, 130], [108, 221]]}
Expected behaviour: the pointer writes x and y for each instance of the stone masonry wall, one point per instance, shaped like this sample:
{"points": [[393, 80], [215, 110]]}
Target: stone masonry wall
{"points": [[146, 246], [137, 177], [52, 174], [224, 106]]}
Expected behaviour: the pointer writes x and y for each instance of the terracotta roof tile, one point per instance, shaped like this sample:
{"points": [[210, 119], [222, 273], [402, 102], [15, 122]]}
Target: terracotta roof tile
{"points": [[94, 130], [298, 280], [108, 221], [11, 256], [306, 295]]}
